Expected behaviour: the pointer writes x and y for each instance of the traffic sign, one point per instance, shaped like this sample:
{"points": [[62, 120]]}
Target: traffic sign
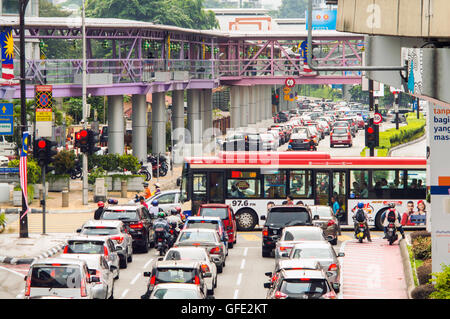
{"points": [[290, 82], [286, 90], [6, 109], [377, 118], [44, 115], [43, 96], [6, 119]]}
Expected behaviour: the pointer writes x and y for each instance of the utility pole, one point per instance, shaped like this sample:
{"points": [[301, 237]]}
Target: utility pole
{"points": [[23, 227], [371, 111], [84, 105], [396, 109], [418, 105]]}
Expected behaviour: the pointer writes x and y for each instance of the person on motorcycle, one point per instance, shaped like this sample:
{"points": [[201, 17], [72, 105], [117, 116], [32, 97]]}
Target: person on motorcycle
{"points": [[147, 192], [174, 218], [142, 202], [361, 216], [391, 215], [161, 222], [157, 189], [99, 211], [155, 210]]}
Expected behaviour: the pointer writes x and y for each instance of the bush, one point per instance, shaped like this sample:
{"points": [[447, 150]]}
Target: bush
{"points": [[96, 173], [129, 163], [33, 170], [421, 248], [422, 291], [64, 162], [420, 233], [424, 273], [442, 284]]}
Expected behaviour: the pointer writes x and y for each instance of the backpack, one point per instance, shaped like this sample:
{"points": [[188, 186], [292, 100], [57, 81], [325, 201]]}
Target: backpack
{"points": [[391, 216], [360, 217]]}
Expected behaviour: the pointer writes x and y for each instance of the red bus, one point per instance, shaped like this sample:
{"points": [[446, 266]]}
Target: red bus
{"points": [[249, 181]]}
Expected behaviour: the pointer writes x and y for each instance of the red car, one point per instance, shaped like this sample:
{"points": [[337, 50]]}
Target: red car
{"points": [[341, 136], [226, 214]]}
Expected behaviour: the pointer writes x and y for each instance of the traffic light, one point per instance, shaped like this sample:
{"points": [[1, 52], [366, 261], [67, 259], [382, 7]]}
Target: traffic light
{"points": [[50, 153], [275, 98], [40, 151], [93, 140], [371, 131], [82, 140]]}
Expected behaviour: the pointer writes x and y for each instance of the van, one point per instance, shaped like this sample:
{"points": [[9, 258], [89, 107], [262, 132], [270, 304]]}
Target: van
{"points": [[59, 277], [224, 212]]}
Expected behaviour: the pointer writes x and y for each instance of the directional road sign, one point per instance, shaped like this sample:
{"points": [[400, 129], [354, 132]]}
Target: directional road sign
{"points": [[6, 119]]}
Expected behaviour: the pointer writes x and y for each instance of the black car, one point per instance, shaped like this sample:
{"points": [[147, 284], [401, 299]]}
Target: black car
{"points": [[138, 221], [282, 117], [279, 217], [301, 139]]}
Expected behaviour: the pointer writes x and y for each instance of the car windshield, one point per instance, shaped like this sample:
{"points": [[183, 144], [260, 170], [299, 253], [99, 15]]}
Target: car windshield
{"points": [[177, 293], [197, 236], [55, 277], [189, 254], [99, 231], [299, 287], [341, 130], [299, 136], [214, 212], [302, 234], [208, 224], [286, 215], [85, 247], [312, 252], [183, 275], [119, 215], [300, 131]]}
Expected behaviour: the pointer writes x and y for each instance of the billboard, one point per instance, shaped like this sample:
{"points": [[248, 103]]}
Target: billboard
{"points": [[323, 19]]}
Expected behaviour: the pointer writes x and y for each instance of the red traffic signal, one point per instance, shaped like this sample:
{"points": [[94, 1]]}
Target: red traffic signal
{"points": [[370, 130], [42, 144]]}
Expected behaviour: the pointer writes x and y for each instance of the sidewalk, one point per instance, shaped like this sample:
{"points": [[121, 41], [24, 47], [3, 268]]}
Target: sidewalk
{"points": [[60, 222]]}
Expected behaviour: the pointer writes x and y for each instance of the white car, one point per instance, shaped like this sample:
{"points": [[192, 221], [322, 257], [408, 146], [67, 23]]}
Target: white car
{"points": [[269, 142], [117, 232], [198, 254], [177, 291], [98, 267]]}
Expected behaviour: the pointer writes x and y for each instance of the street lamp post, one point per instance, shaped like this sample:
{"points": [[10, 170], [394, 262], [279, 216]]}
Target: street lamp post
{"points": [[84, 104]]}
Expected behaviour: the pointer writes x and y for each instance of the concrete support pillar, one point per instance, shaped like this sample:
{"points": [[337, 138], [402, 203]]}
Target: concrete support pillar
{"points": [[158, 123], [235, 97], [139, 125], [252, 96], [244, 106], [177, 110], [115, 125], [194, 123], [207, 116]]}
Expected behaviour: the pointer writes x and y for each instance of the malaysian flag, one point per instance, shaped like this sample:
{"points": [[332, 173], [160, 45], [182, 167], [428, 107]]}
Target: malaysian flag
{"points": [[23, 170], [7, 48]]}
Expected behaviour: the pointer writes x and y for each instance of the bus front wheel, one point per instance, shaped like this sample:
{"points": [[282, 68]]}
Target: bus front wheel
{"points": [[246, 219], [378, 223]]}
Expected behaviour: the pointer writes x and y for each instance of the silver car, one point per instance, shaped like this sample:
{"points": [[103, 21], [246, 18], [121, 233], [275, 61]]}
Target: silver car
{"points": [[292, 235], [177, 291], [98, 267], [117, 232], [324, 254], [198, 254], [324, 218], [206, 238], [166, 200], [80, 246], [59, 277]]}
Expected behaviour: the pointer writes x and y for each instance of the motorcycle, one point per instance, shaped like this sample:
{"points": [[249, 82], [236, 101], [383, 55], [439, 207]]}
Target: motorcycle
{"points": [[161, 242], [163, 166], [391, 233], [144, 171], [77, 171], [360, 232]]}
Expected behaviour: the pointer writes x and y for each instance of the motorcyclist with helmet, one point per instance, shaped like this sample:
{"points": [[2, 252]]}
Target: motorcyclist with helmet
{"points": [[360, 216], [396, 219], [161, 222], [175, 223], [154, 209]]}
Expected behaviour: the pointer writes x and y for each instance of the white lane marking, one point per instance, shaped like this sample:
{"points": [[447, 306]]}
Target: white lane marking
{"points": [[236, 292], [135, 278], [341, 281], [148, 263], [124, 293], [239, 279], [245, 251], [13, 271], [243, 264]]}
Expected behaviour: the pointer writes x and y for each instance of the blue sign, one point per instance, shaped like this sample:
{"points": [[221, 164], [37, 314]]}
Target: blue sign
{"points": [[9, 170], [323, 19], [6, 125], [304, 51], [415, 105], [6, 109]]}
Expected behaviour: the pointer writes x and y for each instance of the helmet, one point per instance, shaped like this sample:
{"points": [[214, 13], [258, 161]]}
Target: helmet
{"points": [[157, 185], [161, 215], [145, 184], [100, 204], [174, 211], [155, 202], [360, 205], [141, 198], [392, 205]]}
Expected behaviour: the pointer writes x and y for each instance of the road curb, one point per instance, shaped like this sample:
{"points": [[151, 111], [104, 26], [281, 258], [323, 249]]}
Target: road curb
{"points": [[424, 136], [407, 267], [39, 211], [29, 260]]}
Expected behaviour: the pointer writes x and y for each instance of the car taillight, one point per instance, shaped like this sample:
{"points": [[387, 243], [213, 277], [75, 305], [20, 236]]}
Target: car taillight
{"points": [[197, 280], [283, 248], [66, 249], [215, 250], [137, 226], [119, 239], [332, 267], [290, 141], [280, 295], [330, 223], [329, 295], [274, 278], [306, 141], [348, 135], [265, 231], [105, 250], [152, 280], [205, 268], [28, 286], [361, 225], [83, 288]]}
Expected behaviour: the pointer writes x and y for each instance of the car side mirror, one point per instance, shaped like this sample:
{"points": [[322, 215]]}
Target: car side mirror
{"points": [[268, 274], [25, 278], [160, 258], [94, 279], [79, 230], [263, 217], [112, 267], [147, 274], [267, 285], [341, 254], [336, 286], [316, 217]]}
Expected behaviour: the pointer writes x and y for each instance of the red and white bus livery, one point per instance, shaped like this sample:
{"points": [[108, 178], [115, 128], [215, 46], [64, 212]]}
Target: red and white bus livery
{"points": [[250, 181]]}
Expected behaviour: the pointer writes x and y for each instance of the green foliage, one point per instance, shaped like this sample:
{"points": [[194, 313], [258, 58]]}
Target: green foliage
{"points": [[180, 13], [424, 273], [33, 170], [129, 163], [96, 173], [2, 222], [422, 291], [114, 162], [417, 234], [421, 248], [291, 9], [64, 162], [441, 284]]}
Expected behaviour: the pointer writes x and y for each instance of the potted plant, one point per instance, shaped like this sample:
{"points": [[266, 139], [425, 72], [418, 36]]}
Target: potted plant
{"points": [[63, 165]]}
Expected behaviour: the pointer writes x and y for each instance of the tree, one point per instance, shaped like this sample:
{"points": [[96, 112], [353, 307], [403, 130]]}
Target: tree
{"points": [[48, 9], [291, 9], [180, 13]]}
